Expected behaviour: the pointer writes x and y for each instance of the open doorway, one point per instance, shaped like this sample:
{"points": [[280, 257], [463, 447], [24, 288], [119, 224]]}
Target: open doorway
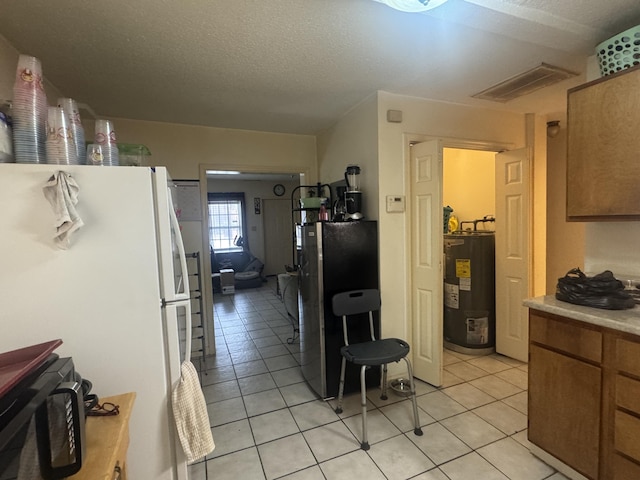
{"points": [[469, 186], [260, 227], [260, 192], [426, 262], [469, 206]]}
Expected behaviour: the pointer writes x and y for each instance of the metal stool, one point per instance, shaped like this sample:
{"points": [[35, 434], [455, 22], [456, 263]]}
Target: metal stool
{"points": [[367, 354]]}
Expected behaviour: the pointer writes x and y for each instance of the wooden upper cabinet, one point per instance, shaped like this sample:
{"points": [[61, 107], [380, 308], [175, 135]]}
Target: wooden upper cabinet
{"points": [[603, 148]]}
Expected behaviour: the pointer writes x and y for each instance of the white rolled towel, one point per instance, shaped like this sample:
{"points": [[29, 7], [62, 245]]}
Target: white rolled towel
{"points": [[191, 416], [62, 193]]}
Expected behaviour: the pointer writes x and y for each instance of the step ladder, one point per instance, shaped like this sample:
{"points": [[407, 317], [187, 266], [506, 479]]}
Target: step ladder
{"points": [[198, 330]]}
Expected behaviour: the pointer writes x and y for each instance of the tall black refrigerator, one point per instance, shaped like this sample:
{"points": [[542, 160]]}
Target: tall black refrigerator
{"points": [[334, 257]]}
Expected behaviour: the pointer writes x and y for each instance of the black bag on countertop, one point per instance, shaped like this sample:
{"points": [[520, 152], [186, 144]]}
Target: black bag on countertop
{"points": [[600, 291]]}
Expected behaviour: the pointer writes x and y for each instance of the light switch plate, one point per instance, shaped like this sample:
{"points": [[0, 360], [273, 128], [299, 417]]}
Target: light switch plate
{"points": [[395, 203]]}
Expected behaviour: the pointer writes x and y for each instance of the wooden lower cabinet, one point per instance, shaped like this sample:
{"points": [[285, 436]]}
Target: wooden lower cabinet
{"points": [[563, 394], [584, 396], [623, 469]]}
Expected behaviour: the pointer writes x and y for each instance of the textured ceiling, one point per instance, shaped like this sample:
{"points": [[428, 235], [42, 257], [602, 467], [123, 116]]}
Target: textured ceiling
{"points": [[296, 66]]}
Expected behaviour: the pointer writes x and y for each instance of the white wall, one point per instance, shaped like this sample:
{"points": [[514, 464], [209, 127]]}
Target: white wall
{"points": [[613, 246]]}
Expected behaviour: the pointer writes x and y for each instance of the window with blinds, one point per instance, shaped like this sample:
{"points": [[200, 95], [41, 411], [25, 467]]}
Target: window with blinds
{"points": [[226, 221]]}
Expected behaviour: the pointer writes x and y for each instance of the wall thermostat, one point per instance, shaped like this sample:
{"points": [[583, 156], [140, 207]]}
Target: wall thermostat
{"points": [[395, 203]]}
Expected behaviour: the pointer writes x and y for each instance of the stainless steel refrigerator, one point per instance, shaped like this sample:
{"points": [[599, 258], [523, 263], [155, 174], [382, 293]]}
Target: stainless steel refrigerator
{"points": [[334, 257]]}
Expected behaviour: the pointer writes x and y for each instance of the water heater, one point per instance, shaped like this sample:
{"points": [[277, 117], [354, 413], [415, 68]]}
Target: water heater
{"points": [[469, 292]]}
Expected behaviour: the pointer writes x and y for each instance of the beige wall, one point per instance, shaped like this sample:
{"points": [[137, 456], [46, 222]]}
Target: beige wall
{"points": [[565, 240], [353, 140], [536, 132], [421, 118], [8, 62], [352, 136], [469, 185], [183, 148]]}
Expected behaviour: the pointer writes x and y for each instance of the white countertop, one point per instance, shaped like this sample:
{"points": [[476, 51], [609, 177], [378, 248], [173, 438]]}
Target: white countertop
{"points": [[622, 320]]}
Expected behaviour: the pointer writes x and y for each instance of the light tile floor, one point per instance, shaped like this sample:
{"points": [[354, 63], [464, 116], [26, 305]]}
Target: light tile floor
{"points": [[268, 424]]}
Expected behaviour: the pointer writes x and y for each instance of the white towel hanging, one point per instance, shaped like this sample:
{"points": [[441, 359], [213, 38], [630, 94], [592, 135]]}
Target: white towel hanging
{"points": [[62, 193], [190, 413]]}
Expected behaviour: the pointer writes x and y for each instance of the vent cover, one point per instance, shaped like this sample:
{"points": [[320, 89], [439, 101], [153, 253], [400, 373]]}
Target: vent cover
{"points": [[525, 83]]}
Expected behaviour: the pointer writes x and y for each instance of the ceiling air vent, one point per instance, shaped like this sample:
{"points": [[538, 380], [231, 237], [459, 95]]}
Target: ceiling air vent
{"points": [[525, 83]]}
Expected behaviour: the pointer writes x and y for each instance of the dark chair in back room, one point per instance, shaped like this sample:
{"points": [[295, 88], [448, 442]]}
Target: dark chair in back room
{"points": [[355, 304]]}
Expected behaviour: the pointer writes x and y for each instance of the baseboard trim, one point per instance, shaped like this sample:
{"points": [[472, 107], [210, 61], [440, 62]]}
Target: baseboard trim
{"points": [[549, 459]]}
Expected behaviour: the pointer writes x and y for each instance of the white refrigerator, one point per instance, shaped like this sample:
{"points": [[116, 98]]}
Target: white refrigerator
{"points": [[118, 297]]}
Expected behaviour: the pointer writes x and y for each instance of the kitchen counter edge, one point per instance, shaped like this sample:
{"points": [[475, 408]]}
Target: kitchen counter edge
{"points": [[621, 320]]}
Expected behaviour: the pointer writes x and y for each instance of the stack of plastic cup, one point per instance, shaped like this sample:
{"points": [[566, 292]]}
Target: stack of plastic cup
{"points": [[94, 154], [29, 112], [105, 136], [60, 146], [73, 116]]}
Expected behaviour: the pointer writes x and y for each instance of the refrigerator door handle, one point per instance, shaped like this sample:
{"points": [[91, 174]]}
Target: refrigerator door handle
{"points": [[187, 324], [181, 252], [188, 333], [185, 278]]}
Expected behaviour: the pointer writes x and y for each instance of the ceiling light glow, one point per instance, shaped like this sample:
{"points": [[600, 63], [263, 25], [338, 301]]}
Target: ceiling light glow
{"points": [[412, 5]]}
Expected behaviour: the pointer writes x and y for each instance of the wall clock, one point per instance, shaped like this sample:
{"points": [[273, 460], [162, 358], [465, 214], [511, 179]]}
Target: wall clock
{"points": [[278, 189]]}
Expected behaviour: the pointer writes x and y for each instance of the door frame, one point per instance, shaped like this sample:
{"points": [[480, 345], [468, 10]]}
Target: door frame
{"points": [[207, 293], [447, 142]]}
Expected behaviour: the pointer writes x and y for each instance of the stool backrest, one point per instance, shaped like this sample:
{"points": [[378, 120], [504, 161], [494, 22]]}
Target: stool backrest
{"points": [[356, 302]]}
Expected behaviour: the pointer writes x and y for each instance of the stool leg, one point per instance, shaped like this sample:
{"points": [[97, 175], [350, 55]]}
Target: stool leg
{"points": [[341, 387], [383, 383], [416, 419], [363, 392]]}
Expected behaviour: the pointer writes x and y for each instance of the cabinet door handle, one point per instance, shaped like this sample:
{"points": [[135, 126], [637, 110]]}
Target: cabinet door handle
{"points": [[117, 471]]}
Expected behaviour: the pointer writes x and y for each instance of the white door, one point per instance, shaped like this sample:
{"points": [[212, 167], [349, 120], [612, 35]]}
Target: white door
{"points": [[512, 252], [426, 260], [278, 235]]}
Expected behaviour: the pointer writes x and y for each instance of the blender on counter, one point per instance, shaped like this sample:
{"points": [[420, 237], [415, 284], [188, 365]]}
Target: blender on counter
{"points": [[352, 195]]}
